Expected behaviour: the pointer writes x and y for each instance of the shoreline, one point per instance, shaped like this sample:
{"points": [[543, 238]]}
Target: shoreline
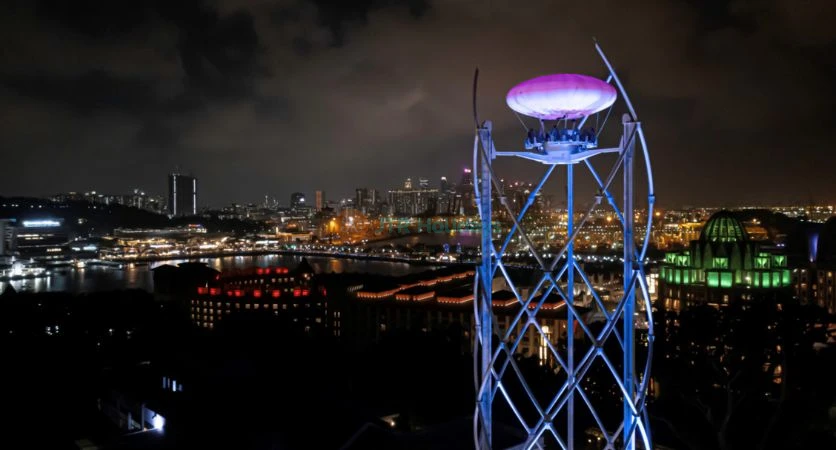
{"points": [[412, 261]]}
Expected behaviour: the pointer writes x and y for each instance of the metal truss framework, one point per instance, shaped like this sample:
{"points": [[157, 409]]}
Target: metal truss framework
{"points": [[492, 361]]}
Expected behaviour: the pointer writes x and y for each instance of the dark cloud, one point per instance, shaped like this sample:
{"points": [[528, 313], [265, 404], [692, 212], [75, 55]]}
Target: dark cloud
{"points": [[720, 14], [273, 108], [155, 134], [337, 14], [94, 18], [301, 46], [274, 96], [229, 44], [86, 93]]}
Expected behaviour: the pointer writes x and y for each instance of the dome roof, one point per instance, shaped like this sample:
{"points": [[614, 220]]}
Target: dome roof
{"points": [[723, 226]]}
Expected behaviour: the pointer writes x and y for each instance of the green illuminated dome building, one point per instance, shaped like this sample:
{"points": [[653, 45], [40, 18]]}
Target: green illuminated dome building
{"points": [[722, 264]]}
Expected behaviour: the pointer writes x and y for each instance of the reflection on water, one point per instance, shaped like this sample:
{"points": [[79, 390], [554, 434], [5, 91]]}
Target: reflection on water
{"points": [[99, 278]]}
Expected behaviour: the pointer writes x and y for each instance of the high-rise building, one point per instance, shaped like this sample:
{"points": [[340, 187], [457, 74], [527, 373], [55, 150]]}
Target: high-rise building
{"points": [[467, 178], [182, 195], [361, 197], [407, 184], [411, 202], [297, 200], [464, 202], [423, 183], [446, 197], [320, 200], [367, 200], [6, 236]]}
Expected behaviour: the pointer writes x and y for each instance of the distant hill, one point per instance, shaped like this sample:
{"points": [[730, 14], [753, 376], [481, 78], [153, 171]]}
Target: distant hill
{"points": [[84, 217]]}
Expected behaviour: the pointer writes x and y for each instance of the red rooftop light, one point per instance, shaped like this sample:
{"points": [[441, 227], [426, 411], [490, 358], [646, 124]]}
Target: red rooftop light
{"points": [[257, 294], [202, 290], [214, 291], [239, 293], [259, 271], [277, 293]]}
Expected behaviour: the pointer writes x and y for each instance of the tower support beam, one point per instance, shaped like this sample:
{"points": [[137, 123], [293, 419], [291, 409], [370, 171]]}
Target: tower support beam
{"points": [[482, 181], [628, 211]]}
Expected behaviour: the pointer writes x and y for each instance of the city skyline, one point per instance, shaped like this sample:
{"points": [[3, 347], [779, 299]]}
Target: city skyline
{"points": [[418, 224], [232, 91], [285, 199]]}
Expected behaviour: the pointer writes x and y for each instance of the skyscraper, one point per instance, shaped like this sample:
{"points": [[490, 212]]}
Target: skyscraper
{"points": [[446, 197], [297, 200], [182, 195], [407, 185], [423, 183], [464, 203], [361, 197], [320, 200], [410, 202], [367, 200], [467, 178]]}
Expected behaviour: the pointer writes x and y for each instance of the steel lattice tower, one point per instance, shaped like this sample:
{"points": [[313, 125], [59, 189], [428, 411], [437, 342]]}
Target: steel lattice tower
{"points": [[494, 361]]}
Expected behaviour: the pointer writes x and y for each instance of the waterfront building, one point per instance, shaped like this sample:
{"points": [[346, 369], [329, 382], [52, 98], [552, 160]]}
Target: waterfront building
{"points": [[442, 300], [361, 309], [39, 239], [271, 291], [6, 233]]}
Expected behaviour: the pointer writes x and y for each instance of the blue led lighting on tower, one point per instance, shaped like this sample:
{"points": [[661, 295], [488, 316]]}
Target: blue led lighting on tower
{"points": [[567, 100]]}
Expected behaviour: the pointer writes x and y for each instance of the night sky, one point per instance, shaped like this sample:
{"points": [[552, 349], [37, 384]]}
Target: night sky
{"points": [[270, 97]]}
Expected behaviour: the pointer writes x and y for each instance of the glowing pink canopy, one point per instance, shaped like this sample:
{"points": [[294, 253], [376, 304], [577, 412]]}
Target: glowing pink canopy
{"points": [[563, 95]]}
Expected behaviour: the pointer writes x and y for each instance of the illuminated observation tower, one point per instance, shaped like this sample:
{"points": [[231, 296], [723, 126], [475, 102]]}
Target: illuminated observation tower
{"points": [[567, 100]]}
